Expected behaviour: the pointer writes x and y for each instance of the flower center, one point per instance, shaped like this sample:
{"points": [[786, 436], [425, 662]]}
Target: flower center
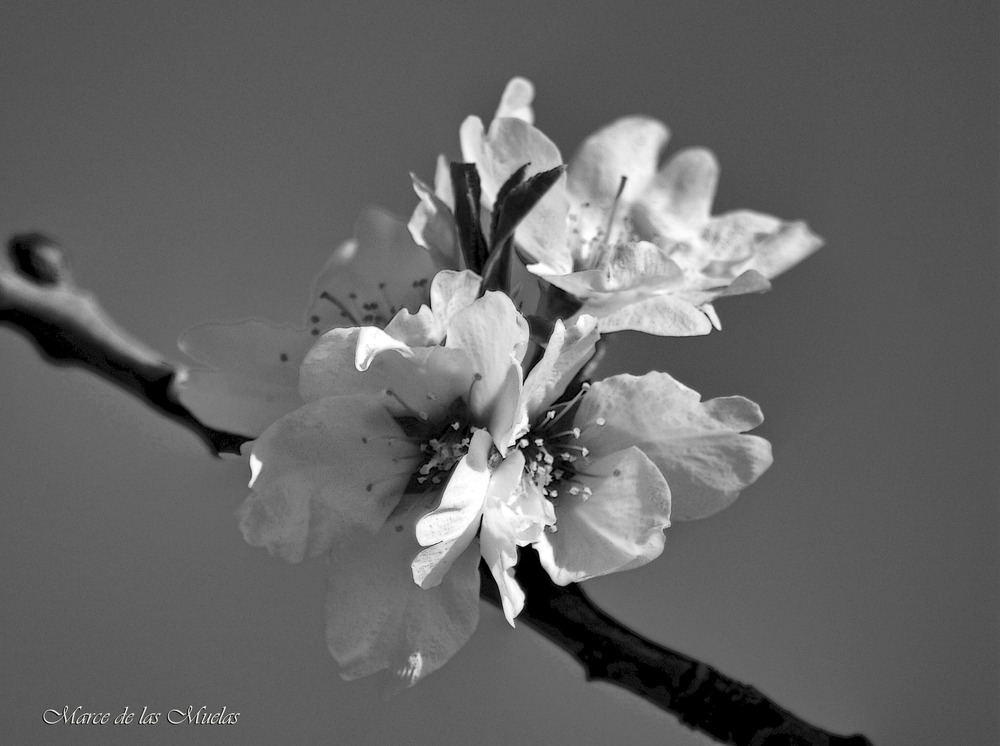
{"points": [[551, 454], [444, 452], [591, 252]]}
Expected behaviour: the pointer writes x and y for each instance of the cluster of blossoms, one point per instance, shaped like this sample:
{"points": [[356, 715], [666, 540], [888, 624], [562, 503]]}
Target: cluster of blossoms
{"points": [[422, 422]]}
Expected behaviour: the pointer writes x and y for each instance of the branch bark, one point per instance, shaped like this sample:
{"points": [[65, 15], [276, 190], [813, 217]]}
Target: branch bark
{"points": [[68, 326], [697, 694], [39, 299]]}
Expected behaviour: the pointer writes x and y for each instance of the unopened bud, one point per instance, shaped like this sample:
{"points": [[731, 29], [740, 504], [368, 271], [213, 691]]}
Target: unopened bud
{"points": [[38, 257]]}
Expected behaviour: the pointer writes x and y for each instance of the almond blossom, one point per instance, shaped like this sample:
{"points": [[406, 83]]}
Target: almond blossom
{"points": [[630, 241], [425, 445], [253, 372]]}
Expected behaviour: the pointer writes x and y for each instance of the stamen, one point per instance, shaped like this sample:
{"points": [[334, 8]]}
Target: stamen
{"points": [[397, 397], [388, 301], [551, 417], [476, 378], [344, 310], [614, 210]]}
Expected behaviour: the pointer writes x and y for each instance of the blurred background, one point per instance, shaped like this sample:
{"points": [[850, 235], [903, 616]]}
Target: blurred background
{"points": [[200, 160]]}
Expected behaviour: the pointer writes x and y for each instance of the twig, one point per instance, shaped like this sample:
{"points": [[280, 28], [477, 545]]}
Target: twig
{"points": [[697, 694], [40, 299], [66, 324]]}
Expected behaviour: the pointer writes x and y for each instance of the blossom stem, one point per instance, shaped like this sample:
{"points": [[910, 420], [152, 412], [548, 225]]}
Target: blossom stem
{"points": [[698, 695], [39, 298]]}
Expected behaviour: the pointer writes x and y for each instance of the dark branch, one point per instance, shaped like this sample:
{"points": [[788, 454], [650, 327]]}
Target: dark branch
{"points": [[40, 299], [66, 324], [697, 694]]}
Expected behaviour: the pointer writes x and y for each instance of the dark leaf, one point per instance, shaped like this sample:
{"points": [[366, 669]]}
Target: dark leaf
{"points": [[496, 272], [519, 201], [515, 179], [465, 181]]}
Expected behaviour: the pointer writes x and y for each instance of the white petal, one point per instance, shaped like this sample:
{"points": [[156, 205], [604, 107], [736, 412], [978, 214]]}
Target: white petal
{"points": [[567, 352], [508, 416], [433, 227], [377, 618], [255, 376], [500, 552], [620, 526], [683, 190], [697, 446], [516, 100], [750, 281], [664, 315], [729, 243], [418, 329], [628, 147], [444, 190], [369, 279], [452, 292], [494, 336], [372, 342], [333, 467], [423, 384], [501, 530], [782, 248], [532, 511], [462, 500], [641, 264], [448, 529]]}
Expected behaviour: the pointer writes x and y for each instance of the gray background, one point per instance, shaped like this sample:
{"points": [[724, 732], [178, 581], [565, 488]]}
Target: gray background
{"points": [[201, 159]]}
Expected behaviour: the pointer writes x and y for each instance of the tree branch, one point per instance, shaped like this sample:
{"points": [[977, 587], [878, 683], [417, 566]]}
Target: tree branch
{"points": [[67, 325], [39, 298], [697, 694]]}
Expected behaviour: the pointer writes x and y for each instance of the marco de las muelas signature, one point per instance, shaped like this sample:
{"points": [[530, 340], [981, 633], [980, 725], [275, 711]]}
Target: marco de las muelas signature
{"points": [[189, 715]]}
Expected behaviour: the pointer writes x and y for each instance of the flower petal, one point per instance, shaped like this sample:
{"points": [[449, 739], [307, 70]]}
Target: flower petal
{"points": [[679, 199], [448, 529], [255, 376], [664, 315], [697, 446], [370, 278], [750, 281], [499, 536], [494, 336], [452, 292], [422, 384], [516, 100], [444, 190], [764, 243], [629, 147], [432, 226], [567, 352], [641, 264], [619, 526], [377, 618], [508, 417], [333, 467]]}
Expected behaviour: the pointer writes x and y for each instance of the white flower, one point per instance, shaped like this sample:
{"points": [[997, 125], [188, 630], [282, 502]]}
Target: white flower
{"points": [[633, 242], [424, 446], [255, 364]]}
